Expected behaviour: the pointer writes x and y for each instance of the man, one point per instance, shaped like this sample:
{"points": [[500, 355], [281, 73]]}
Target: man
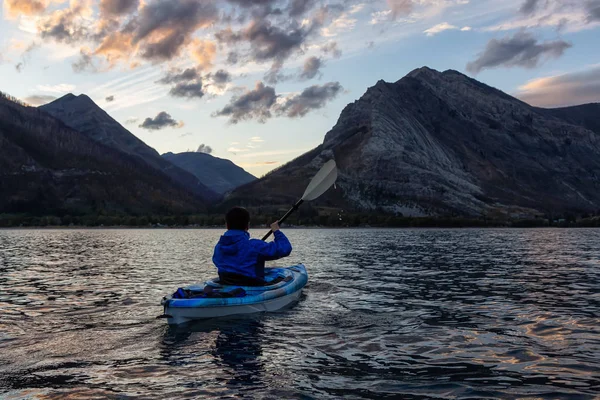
{"points": [[241, 260]]}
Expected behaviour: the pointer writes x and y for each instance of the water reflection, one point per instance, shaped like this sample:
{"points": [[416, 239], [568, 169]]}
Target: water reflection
{"points": [[386, 314], [234, 344]]}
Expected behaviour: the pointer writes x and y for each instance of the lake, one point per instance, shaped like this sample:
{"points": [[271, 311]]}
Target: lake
{"points": [[412, 314]]}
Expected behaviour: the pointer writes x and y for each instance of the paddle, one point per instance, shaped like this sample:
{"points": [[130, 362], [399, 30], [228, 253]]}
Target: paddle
{"points": [[322, 181]]}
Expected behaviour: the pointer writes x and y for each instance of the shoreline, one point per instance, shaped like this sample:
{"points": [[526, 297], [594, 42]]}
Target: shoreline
{"points": [[74, 228]]}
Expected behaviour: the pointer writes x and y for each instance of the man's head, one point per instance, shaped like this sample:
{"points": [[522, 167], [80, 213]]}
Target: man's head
{"points": [[237, 218]]}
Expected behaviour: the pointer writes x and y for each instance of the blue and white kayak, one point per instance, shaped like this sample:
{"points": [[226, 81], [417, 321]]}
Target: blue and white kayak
{"points": [[212, 299]]}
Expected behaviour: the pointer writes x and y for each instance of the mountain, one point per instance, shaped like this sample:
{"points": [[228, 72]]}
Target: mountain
{"points": [[216, 173], [83, 115], [48, 168], [441, 143]]}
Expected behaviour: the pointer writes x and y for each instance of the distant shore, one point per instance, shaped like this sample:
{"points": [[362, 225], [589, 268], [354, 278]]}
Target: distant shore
{"points": [[300, 220]]}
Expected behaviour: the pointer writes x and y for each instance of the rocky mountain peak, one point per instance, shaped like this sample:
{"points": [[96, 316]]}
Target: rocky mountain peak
{"points": [[82, 114], [443, 143], [71, 101], [423, 73], [216, 173]]}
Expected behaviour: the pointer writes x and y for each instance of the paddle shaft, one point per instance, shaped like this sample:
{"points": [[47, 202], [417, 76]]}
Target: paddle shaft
{"points": [[287, 214]]}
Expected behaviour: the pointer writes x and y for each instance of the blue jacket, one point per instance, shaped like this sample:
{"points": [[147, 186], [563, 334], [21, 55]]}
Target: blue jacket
{"points": [[237, 253]]}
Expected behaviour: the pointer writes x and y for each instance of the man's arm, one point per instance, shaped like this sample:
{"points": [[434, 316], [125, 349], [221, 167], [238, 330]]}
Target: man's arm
{"points": [[280, 247]]}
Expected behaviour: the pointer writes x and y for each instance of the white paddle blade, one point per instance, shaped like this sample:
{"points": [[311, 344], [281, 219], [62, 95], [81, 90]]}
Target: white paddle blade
{"points": [[322, 181]]}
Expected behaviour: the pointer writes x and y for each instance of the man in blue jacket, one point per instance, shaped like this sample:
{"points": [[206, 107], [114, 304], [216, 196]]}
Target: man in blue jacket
{"points": [[241, 260]]}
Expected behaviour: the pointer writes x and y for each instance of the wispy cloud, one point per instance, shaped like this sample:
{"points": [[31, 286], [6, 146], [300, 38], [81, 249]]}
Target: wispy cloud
{"points": [[444, 26], [274, 153], [39, 99], [568, 89], [60, 88]]}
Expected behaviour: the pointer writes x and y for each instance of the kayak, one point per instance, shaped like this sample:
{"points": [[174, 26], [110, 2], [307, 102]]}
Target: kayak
{"points": [[211, 299]]}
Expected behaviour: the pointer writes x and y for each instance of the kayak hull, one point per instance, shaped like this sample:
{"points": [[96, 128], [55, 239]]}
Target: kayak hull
{"points": [[257, 299]]}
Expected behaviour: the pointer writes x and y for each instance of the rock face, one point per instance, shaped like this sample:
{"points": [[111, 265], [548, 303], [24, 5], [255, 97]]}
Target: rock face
{"points": [[83, 115], [47, 168], [218, 174], [437, 143]]}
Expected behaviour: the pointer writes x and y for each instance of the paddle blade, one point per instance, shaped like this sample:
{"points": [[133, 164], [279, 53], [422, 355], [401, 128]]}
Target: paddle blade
{"points": [[322, 181]]}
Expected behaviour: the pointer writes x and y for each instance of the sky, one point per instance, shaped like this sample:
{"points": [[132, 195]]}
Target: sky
{"points": [[260, 82]]}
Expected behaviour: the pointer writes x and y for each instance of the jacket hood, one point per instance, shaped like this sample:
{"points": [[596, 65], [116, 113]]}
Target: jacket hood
{"points": [[231, 240]]}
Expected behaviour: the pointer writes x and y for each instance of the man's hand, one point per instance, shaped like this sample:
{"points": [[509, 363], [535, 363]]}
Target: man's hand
{"points": [[275, 226]]}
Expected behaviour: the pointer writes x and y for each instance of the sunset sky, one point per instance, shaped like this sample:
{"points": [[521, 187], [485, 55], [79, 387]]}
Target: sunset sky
{"points": [[262, 81]]}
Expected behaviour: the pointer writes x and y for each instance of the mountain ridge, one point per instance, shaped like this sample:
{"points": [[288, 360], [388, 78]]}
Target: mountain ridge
{"points": [[82, 114], [219, 174], [442, 143], [47, 168]]}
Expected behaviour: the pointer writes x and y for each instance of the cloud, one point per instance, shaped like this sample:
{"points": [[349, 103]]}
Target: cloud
{"points": [[68, 25], [593, 9], [85, 62], [400, 7], [232, 57], [256, 139], [311, 98], [187, 90], [274, 74], [253, 104], [379, 17], [110, 99], [522, 50], [274, 153], [117, 46], [166, 26], [25, 7], [259, 163], [341, 24], [216, 83], [39, 99], [176, 76], [528, 6], [219, 78], [188, 83], [203, 148], [118, 7], [262, 103], [331, 48], [25, 55], [131, 121], [204, 52], [235, 150], [563, 90], [466, 28], [268, 42], [298, 8], [162, 120], [444, 26], [60, 88], [563, 15], [311, 67]]}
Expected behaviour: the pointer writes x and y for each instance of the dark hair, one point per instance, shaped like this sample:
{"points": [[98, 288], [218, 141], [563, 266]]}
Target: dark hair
{"points": [[237, 218]]}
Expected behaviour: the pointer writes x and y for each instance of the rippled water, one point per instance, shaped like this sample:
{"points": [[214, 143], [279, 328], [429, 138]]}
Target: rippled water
{"points": [[386, 314]]}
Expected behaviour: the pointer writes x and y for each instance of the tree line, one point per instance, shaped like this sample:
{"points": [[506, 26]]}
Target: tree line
{"points": [[337, 220]]}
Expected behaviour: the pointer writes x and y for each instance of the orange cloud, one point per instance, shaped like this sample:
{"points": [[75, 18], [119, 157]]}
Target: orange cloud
{"points": [[204, 52], [25, 7], [116, 47], [563, 90]]}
